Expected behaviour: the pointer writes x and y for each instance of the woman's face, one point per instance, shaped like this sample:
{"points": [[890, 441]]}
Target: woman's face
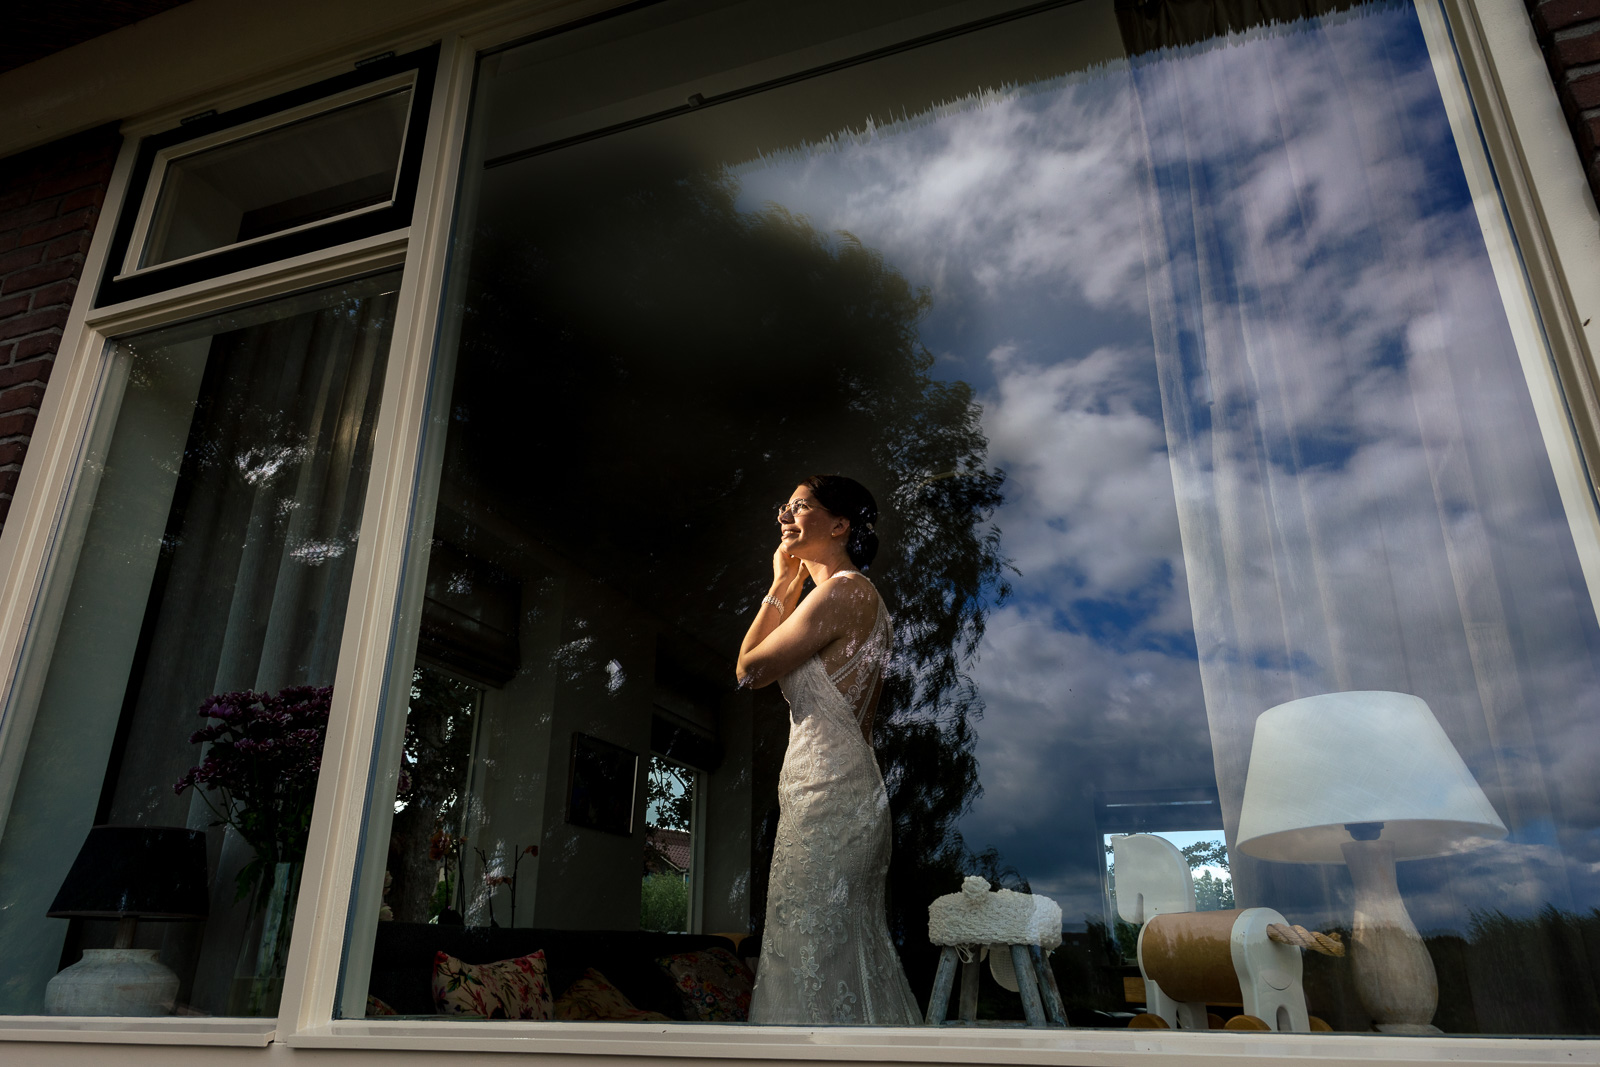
{"points": [[806, 527]]}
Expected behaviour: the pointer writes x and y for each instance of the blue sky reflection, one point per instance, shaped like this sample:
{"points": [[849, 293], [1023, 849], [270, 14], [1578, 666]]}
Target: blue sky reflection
{"points": [[1331, 333]]}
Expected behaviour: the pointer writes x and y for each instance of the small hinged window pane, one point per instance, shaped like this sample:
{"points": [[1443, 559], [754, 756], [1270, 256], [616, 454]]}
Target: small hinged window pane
{"points": [[293, 175], [317, 166]]}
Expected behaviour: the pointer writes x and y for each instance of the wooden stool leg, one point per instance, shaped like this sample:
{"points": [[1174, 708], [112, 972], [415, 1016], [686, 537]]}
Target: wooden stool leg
{"points": [[943, 979], [969, 987], [1027, 985], [1047, 984]]}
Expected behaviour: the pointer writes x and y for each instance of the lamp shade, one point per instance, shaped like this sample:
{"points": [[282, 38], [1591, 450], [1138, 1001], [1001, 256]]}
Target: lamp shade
{"points": [[1376, 761], [149, 872]]}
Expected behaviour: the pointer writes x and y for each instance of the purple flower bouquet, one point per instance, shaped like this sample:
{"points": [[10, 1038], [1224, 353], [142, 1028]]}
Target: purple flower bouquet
{"points": [[259, 774]]}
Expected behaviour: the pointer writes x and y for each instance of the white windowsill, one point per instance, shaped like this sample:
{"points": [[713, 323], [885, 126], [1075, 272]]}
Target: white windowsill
{"points": [[118, 1030], [1082, 1048]]}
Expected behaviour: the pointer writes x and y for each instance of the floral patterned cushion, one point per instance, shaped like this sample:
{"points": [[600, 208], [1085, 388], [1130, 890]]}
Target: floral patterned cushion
{"points": [[378, 1007], [714, 983], [592, 997], [505, 989]]}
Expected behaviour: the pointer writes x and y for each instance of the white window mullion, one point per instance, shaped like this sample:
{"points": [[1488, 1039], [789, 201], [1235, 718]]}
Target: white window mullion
{"points": [[1561, 267], [336, 844]]}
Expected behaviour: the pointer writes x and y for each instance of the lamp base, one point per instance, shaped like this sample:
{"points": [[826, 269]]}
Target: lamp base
{"points": [[113, 981], [1393, 972]]}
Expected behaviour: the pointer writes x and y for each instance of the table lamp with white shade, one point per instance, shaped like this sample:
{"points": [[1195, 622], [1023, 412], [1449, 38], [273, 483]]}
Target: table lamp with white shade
{"points": [[1365, 779]]}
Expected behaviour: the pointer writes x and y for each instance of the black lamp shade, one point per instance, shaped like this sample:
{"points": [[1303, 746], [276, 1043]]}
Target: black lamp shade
{"points": [[152, 873]]}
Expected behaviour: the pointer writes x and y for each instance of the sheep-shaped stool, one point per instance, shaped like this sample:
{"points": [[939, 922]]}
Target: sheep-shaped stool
{"points": [[1017, 931]]}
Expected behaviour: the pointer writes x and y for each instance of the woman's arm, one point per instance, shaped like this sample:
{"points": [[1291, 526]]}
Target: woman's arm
{"points": [[779, 641], [788, 579]]}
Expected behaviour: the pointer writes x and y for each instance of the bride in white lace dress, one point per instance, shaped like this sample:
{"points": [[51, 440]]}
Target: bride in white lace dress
{"points": [[826, 956]]}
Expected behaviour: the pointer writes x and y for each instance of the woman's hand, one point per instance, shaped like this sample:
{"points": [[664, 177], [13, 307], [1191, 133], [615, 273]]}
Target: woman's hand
{"points": [[786, 569]]}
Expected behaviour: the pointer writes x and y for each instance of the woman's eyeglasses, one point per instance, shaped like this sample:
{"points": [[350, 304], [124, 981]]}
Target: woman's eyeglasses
{"points": [[795, 508]]}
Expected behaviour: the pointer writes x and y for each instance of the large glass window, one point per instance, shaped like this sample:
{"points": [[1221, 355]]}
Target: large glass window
{"points": [[1231, 592], [178, 680]]}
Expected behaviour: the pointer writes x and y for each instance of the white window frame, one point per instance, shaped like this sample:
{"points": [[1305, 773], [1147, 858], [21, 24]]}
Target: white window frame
{"points": [[1511, 112]]}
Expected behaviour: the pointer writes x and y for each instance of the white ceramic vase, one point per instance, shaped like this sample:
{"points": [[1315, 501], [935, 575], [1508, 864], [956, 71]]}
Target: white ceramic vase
{"points": [[113, 981]]}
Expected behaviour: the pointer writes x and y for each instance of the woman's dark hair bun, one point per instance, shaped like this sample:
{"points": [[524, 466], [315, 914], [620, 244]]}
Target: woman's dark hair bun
{"points": [[850, 499]]}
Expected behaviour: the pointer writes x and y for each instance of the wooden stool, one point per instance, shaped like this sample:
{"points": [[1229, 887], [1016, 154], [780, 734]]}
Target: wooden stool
{"points": [[1036, 981]]}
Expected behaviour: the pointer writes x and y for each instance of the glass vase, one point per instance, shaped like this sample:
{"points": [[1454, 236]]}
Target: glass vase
{"points": [[264, 953]]}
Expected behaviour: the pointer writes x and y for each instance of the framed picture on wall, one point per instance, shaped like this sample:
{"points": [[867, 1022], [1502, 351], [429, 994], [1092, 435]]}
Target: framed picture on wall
{"points": [[603, 781]]}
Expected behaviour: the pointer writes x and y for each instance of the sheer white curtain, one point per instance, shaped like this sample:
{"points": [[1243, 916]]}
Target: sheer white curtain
{"points": [[1363, 496], [218, 526], [260, 545]]}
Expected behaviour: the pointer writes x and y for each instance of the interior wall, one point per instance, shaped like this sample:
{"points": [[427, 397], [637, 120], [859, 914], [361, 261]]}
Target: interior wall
{"points": [[725, 878], [604, 665], [515, 751]]}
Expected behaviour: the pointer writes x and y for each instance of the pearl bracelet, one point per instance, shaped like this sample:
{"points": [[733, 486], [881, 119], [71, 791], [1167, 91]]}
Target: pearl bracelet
{"points": [[774, 601]]}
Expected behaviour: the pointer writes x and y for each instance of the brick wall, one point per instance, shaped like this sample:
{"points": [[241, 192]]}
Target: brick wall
{"points": [[49, 200], [1569, 33]]}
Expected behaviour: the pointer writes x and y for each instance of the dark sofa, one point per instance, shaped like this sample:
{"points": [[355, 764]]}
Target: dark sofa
{"points": [[402, 960]]}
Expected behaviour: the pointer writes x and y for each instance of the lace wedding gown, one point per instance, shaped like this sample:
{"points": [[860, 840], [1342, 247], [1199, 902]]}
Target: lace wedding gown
{"points": [[826, 956]]}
